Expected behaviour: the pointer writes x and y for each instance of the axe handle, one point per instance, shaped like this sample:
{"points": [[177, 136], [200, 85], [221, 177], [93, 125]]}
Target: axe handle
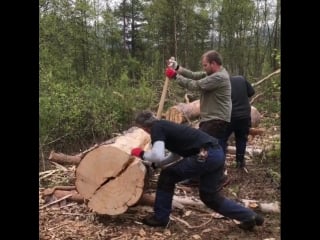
{"points": [[163, 97]]}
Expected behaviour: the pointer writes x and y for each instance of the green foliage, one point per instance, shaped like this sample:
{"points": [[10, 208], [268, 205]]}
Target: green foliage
{"points": [[269, 104], [275, 152], [88, 112], [277, 56]]}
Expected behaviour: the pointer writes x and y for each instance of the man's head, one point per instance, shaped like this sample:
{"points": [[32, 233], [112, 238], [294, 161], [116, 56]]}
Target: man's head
{"points": [[145, 120], [211, 62]]}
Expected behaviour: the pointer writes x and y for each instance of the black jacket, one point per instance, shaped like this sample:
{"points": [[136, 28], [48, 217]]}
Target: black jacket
{"points": [[241, 91]]}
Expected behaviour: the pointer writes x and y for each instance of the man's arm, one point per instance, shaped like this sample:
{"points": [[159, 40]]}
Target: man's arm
{"points": [[207, 83], [157, 155], [250, 89]]}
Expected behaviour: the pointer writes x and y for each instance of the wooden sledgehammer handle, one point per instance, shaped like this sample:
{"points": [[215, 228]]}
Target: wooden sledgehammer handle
{"points": [[163, 97]]}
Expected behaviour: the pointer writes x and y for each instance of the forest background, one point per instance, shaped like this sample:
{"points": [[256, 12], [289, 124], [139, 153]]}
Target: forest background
{"points": [[101, 61]]}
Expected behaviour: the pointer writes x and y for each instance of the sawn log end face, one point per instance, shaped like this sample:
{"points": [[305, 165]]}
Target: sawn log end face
{"points": [[119, 193], [97, 167]]}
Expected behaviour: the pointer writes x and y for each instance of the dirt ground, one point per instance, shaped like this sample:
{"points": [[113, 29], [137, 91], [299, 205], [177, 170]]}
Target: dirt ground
{"points": [[261, 183]]}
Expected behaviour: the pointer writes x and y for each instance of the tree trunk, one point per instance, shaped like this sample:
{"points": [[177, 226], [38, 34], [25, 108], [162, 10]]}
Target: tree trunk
{"points": [[187, 111], [109, 178], [183, 112]]}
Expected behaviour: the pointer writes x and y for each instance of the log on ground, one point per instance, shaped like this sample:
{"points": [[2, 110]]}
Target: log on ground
{"points": [[184, 112], [109, 178]]}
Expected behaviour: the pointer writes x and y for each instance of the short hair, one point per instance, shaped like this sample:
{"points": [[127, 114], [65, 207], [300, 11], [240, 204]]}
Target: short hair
{"points": [[145, 119], [213, 55]]}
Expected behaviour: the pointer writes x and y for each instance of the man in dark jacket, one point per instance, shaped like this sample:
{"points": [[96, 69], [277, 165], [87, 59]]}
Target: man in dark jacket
{"points": [[241, 91], [199, 155]]}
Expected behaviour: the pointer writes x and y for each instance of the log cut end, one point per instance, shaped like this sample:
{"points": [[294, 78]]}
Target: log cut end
{"points": [[98, 167], [119, 193], [109, 178], [183, 112]]}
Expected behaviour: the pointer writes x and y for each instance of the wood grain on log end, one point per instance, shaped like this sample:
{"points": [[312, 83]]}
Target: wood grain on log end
{"points": [[97, 167], [119, 193]]}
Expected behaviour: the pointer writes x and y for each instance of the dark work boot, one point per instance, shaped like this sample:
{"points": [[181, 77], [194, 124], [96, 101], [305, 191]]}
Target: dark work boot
{"points": [[241, 165], [249, 225], [240, 161], [153, 222]]}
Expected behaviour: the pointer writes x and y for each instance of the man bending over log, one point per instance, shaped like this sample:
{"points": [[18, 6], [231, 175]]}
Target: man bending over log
{"points": [[202, 157]]}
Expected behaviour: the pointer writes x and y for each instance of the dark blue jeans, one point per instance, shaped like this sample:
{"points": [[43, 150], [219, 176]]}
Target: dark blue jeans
{"points": [[210, 171], [240, 127]]}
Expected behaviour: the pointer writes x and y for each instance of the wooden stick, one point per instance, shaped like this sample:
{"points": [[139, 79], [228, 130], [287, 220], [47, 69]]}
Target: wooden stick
{"points": [[49, 174], [163, 97], [64, 158], [188, 225], [58, 226], [56, 201]]}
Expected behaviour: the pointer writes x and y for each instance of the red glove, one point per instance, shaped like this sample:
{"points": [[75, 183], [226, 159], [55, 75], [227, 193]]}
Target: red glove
{"points": [[171, 73], [138, 152]]}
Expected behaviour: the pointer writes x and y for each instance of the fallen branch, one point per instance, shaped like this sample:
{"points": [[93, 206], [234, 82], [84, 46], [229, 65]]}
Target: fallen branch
{"points": [[267, 77], [251, 151], [61, 225], [50, 191], [47, 173], [56, 201], [255, 97], [74, 159], [64, 158], [188, 225]]}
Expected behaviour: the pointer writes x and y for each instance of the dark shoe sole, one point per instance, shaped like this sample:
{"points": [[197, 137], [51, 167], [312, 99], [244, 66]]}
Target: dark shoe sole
{"points": [[152, 222], [248, 226], [259, 220]]}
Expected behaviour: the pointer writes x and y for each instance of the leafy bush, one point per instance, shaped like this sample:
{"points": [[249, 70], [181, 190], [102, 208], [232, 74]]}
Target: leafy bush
{"points": [[86, 114]]}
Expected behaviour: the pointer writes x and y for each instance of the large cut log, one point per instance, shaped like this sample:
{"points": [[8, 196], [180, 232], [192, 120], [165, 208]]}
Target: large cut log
{"points": [[109, 178], [255, 117], [183, 112]]}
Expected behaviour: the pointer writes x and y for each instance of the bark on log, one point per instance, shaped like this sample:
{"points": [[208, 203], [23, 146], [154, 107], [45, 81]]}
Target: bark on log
{"points": [[109, 178], [255, 117], [251, 151], [183, 112], [64, 158], [57, 194], [148, 199]]}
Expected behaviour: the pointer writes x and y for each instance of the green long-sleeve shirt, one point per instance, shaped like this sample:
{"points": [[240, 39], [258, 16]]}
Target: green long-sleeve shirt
{"points": [[215, 92]]}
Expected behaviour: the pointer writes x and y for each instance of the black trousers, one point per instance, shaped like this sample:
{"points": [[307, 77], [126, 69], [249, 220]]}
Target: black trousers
{"points": [[240, 128]]}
